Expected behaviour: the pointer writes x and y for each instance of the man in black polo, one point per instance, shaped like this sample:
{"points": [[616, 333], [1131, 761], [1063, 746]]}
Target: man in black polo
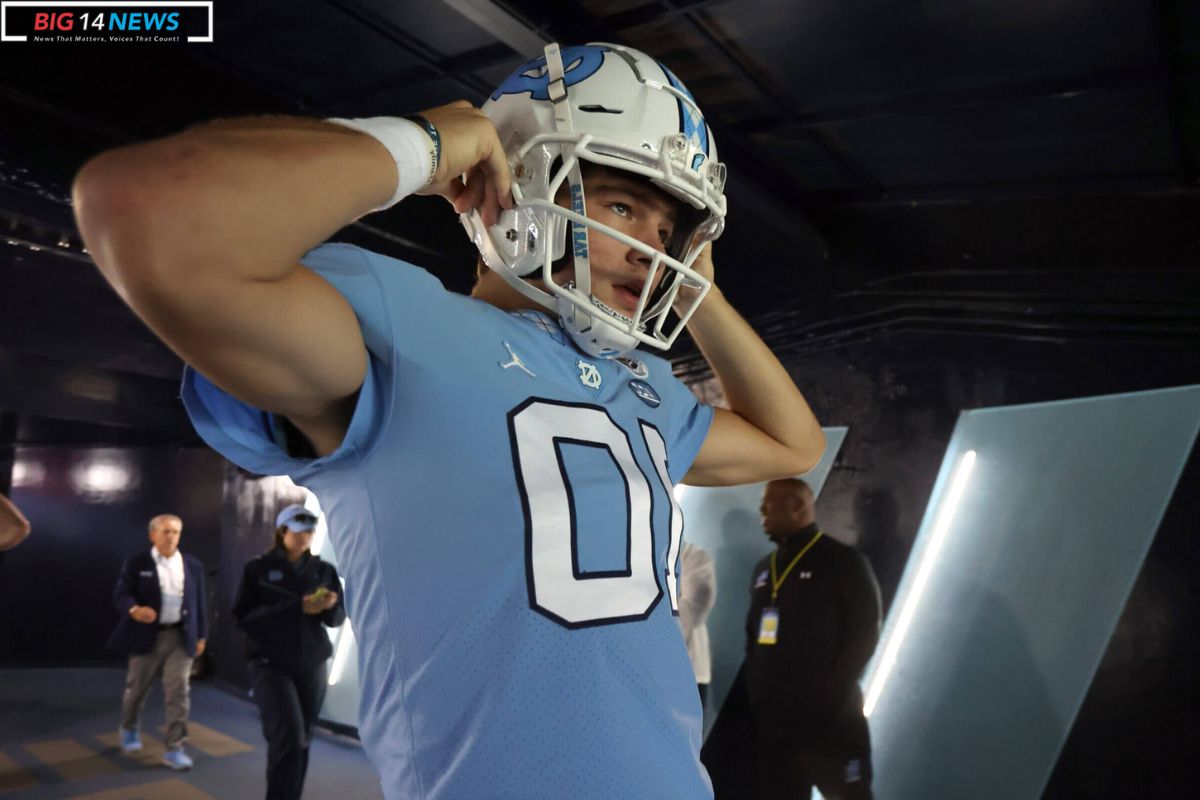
{"points": [[812, 626], [163, 625]]}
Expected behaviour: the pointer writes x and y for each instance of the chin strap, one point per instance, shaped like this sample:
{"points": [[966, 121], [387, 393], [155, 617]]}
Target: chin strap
{"points": [[556, 88]]}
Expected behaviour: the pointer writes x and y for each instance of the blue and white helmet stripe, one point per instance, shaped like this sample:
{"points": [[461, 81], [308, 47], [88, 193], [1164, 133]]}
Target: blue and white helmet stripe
{"points": [[691, 122]]}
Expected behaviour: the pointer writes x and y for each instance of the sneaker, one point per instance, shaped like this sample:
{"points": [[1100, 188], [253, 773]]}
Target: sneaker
{"points": [[131, 742], [177, 760]]}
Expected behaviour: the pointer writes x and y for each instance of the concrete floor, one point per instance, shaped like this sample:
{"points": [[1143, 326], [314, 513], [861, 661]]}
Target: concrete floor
{"points": [[58, 739]]}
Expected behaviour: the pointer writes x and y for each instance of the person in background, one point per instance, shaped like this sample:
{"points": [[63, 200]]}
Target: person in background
{"points": [[697, 594], [812, 626], [160, 595], [286, 600]]}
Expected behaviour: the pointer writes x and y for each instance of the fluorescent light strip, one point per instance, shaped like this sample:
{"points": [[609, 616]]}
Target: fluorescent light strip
{"points": [[342, 649], [957, 487], [319, 533]]}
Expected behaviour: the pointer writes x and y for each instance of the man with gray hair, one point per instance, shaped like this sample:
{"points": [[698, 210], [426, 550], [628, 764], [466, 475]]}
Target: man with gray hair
{"points": [[164, 622]]}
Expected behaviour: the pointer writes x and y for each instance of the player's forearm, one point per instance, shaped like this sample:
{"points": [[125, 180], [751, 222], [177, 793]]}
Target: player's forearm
{"points": [[756, 386], [243, 198]]}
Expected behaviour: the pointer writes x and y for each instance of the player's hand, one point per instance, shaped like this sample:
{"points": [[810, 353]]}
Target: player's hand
{"points": [[11, 538], [473, 171], [313, 604], [704, 262], [320, 601], [143, 614], [200, 644]]}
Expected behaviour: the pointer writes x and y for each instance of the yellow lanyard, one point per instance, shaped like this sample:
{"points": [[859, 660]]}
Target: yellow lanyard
{"points": [[777, 582]]}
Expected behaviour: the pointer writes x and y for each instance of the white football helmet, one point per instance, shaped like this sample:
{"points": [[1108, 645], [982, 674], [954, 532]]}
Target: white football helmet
{"points": [[617, 107]]}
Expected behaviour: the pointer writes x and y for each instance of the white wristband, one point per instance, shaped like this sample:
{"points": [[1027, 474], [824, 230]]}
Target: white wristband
{"points": [[409, 145]]}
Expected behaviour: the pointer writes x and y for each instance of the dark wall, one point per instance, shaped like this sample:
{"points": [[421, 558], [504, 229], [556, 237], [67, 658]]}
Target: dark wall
{"points": [[89, 508], [900, 397]]}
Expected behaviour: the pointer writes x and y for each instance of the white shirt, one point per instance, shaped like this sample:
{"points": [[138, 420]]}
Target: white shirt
{"points": [[170, 581], [697, 594]]}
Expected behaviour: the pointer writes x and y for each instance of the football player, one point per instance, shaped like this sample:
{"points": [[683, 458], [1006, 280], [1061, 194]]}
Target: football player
{"points": [[496, 469]]}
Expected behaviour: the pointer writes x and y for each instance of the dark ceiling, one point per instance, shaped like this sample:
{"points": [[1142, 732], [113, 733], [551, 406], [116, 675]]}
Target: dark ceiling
{"points": [[1024, 169]]}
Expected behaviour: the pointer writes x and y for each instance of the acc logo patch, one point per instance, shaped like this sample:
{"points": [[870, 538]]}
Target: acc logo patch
{"points": [[639, 369], [579, 64], [645, 393]]}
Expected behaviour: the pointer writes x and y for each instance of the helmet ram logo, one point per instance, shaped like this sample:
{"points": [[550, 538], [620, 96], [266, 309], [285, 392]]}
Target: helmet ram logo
{"points": [[580, 63]]}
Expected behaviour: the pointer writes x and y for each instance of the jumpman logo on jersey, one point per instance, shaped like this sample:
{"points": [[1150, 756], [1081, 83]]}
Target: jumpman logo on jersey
{"points": [[515, 362]]}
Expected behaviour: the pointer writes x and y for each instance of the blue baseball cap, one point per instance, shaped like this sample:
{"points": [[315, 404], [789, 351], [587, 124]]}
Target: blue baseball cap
{"points": [[297, 518]]}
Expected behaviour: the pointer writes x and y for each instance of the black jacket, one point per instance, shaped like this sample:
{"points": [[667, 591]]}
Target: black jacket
{"points": [[137, 585], [829, 616], [270, 610]]}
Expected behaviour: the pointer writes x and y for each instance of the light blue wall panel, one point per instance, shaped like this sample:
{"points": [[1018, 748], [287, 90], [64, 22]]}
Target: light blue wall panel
{"points": [[1019, 590], [725, 522]]}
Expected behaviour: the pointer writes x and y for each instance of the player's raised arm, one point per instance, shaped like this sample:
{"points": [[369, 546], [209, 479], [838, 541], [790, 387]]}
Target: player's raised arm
{"points": [[201, 234], [768, 431]]}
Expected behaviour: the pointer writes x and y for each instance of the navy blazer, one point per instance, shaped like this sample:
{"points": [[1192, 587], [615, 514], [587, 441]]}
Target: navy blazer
{"points": [[137, 585]]}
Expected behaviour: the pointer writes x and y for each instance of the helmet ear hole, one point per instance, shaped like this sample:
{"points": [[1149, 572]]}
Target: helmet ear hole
{"points": [[561, 260], [559, 225], [552, 174]]}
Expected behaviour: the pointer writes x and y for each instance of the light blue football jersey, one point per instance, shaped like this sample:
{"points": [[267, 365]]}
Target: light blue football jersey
{"points": [[501, 511]]}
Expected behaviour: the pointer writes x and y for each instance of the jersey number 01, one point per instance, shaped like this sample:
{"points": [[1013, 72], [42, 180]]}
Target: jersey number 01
{"points": [[538, 429]]}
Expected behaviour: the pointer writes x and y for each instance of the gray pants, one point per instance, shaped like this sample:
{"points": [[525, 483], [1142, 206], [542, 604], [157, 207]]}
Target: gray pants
{"points": [[171, 661]]}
